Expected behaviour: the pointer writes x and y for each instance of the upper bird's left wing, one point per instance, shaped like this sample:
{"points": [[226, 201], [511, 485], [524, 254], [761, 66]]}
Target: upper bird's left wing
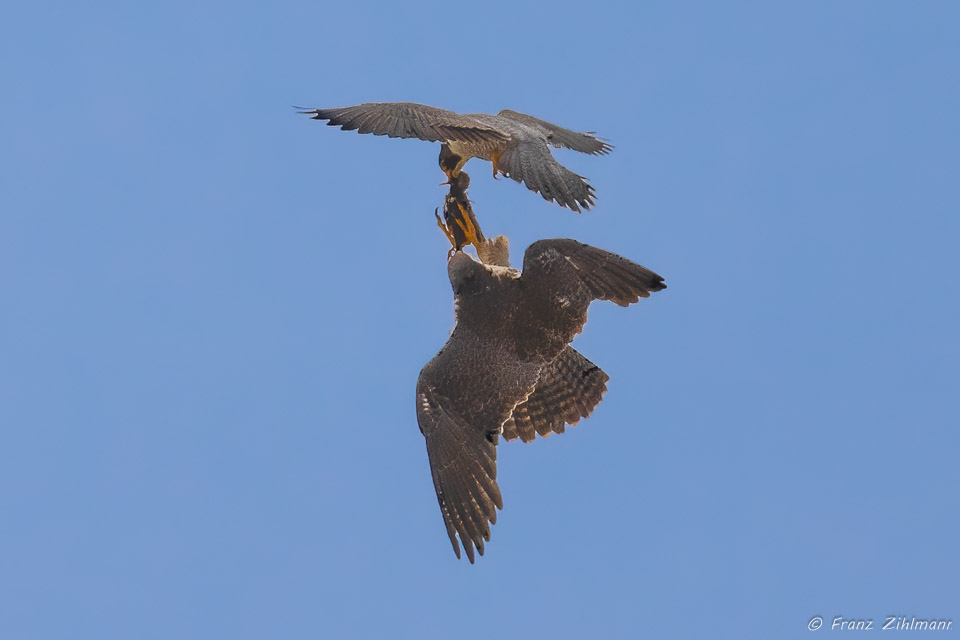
{"points": [[408, 120], [562, 277], [464, 468], [585, 142]]}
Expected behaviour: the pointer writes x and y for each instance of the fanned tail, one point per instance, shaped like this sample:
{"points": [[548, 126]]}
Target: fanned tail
{"points": [[568, 390]]}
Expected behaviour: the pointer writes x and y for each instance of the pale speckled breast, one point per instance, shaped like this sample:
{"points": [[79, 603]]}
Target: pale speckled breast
{"points": [[467, 150]]}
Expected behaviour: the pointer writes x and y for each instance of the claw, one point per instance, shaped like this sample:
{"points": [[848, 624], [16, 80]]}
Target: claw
{"points": [[495, 160], [446, 231]]}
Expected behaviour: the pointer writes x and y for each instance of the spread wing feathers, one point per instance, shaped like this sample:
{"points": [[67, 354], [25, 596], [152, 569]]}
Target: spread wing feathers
{"points": [[587, 141], [407, 120], [562, 277], [563, 264], [463, 465], [568, 390], [531, 163]]}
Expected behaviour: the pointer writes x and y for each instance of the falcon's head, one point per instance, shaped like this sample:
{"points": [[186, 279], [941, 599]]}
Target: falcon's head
{"points": [[467, 276], [449, 161]]}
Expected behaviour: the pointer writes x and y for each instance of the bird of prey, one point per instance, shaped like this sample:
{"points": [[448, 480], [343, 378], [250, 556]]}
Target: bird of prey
{"points": [[518, 145], [508, 368]]}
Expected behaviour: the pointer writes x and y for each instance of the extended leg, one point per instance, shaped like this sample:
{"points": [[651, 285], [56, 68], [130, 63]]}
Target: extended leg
{"points": [[469, 226], [446, 231]]}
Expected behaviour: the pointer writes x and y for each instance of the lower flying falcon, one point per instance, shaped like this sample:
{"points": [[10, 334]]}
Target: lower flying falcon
{"points": [[508, 368], [516, 144]]}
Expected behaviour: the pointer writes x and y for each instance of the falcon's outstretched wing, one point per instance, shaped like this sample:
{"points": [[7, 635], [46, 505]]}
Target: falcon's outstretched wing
{"points": [[568, 389], [562, 277], [530, 162], [585, 142], [407, 120], [464, 468]]}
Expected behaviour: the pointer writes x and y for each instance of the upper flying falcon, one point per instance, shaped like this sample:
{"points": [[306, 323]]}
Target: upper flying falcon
{"points": [[516, 144]]}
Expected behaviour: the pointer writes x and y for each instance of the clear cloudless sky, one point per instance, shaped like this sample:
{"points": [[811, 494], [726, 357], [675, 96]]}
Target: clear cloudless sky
{"points": [[213, 312]]}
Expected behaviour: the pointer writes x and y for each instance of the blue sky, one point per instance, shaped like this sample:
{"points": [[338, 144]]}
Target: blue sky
{"points": [[215, 310]]}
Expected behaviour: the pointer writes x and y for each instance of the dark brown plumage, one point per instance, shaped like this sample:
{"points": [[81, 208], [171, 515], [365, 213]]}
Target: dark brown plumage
{"points": [[508, 368]]}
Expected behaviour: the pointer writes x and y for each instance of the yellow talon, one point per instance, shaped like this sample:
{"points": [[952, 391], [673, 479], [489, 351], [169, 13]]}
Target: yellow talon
{"points": [[445, 230]]}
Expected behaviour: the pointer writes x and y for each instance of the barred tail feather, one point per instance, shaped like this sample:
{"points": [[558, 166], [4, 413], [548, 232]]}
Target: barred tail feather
{"points": [[568, 390]]}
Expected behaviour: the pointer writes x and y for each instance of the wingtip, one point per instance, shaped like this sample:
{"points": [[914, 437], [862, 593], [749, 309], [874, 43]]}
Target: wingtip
{"points": [[307, 111]]}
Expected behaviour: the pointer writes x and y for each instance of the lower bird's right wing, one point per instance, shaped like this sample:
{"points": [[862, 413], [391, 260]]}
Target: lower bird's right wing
{"points": [[464, 468], [407, 120]]}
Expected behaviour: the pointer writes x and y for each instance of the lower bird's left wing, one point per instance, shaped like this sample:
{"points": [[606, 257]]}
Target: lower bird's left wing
{"points": [[464, 468], [562, 277]]}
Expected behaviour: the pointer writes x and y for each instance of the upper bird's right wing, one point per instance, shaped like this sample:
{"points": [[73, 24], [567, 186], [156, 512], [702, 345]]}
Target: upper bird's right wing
{"points": [[562, 277], [464, 468], [585, 142], [407, 120]]}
